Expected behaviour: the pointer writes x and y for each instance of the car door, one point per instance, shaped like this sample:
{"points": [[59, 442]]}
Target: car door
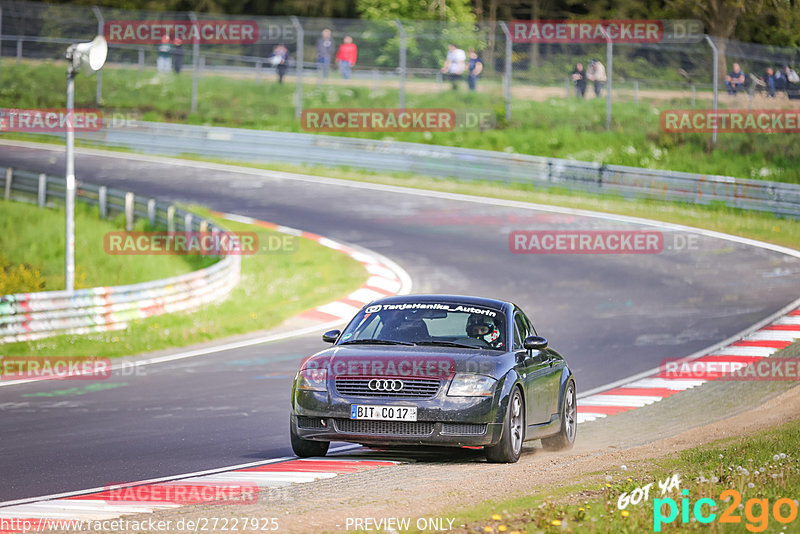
{"points": [[550, 379], [533, 368]]}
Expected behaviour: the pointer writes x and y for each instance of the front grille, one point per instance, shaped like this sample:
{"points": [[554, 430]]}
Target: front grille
{"points": [[309, 422], [464, 429], [412, 387], [388, 428]]}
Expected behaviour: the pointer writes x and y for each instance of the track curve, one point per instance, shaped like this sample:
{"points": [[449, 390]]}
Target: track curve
{"points": [[611, 315]]}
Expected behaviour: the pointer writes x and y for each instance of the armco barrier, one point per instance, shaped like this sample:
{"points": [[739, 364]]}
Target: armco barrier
{"points": [[463, 163], [28, 316]]}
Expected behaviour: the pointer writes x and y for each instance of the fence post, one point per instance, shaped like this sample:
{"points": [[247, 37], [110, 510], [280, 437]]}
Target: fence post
{"points": [[716, 91], [203, 226], [102, 201], [508, 70], [402, 63], [42, 190], [566, 88], [694, 91], [195, 61], [1, 34], [129, 199], [171, 219], [151, 212], [439, 81], [9, 177], [258, 71], [100, 25], [298, 94], [19, 50], [636, 91], [141, 60], [609, 75], [187, 222]]}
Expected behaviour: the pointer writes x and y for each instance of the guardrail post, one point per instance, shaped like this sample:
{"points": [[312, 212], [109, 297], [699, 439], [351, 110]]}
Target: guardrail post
{"points": [[298, 94], [9, 177], [141, 60], [187, 222], [129, 199], [171, 219], [151, 212], [42, 190], [102, 201]]}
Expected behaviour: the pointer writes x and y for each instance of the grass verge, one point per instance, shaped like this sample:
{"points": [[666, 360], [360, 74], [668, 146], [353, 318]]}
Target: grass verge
{"points": [[752, 484], [555, 127], [273, 287], [32, 252]]}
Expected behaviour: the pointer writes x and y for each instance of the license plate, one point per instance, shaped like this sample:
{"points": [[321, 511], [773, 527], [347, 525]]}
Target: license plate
{"points": [[383, 413]]}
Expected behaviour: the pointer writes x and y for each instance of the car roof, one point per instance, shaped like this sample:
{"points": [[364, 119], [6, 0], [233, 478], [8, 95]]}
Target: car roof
{"points": [[446, 299]]}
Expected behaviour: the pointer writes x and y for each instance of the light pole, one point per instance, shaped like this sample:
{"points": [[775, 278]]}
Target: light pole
{"points": [[89, 57]]}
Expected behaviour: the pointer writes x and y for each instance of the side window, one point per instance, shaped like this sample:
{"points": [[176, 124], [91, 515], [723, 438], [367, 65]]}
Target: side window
{"points": [[531, 329], [520, 331]]}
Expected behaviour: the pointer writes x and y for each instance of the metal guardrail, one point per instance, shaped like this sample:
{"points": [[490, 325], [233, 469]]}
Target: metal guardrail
{"points": [[441, 161], [29, 316]]}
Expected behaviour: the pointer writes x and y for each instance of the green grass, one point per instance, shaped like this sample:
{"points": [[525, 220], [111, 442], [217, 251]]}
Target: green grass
{"points": [[557, 127], [32, 241], [761, 466], [273, 287]]}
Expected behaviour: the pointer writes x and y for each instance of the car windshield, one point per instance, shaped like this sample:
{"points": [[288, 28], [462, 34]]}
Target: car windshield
{"points": [[430, 324]]}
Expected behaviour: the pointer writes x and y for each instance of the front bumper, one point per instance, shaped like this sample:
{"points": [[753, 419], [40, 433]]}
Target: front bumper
{"points": [[441, 420]]}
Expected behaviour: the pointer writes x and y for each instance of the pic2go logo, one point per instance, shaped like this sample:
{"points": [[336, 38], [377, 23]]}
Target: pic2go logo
{"points": [[756, 511]]}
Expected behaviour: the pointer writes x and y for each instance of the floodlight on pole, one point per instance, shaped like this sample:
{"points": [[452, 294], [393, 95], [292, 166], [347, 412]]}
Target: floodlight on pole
{"points": [[89, 58]]}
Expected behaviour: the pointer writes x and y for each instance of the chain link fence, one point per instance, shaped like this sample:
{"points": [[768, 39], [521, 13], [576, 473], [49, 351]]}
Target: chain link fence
{"points": [[402, 56]]}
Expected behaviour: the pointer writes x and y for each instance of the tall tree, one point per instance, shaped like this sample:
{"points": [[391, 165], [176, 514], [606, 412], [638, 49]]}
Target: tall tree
{"points": [[720, 18]]}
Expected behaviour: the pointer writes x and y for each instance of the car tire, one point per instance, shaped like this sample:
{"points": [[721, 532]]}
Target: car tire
{"points": [[509, 447], [305, 448], [565, 438]]}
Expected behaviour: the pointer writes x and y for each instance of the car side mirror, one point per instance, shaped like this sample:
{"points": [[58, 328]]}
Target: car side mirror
{"points": [[331, 336], [535, 343]]}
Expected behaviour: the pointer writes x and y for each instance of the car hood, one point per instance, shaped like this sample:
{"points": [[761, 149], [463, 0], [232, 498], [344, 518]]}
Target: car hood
{"points": [[420, 362]]}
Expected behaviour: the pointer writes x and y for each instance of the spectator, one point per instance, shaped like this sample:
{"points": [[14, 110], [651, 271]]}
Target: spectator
{"points": [[324, 52], [346, 57], [474, 68], [597, 74], [280, 60], [734, 79], [177, 55], [792, 82], [779, 80], [769, 80], [455, 64], [579, 80], [164, 61]]}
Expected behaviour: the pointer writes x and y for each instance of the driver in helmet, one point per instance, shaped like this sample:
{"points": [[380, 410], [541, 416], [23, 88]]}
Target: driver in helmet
{"points": [[481, 327]]}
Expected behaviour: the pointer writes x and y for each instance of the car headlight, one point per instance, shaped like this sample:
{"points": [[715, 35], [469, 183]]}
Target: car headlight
{"points": [[312, 379], [471, 385]]}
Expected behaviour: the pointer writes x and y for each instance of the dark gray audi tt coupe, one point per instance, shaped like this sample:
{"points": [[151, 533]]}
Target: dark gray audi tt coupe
{"points": [[441, 370]]}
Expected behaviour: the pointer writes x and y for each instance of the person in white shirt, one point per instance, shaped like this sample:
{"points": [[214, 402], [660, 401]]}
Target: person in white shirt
{"points": [[597, 74], [455, 64]]}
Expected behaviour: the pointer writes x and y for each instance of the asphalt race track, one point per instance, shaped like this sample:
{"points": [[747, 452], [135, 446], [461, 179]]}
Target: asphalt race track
{"points": [[611, 316]]}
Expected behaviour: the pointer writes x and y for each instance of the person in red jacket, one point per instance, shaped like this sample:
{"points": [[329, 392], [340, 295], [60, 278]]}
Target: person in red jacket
{"points": [[346, 57]]}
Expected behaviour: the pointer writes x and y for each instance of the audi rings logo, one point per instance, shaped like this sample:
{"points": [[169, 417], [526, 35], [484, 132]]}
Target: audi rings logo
{"points": [[385, 385]]}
